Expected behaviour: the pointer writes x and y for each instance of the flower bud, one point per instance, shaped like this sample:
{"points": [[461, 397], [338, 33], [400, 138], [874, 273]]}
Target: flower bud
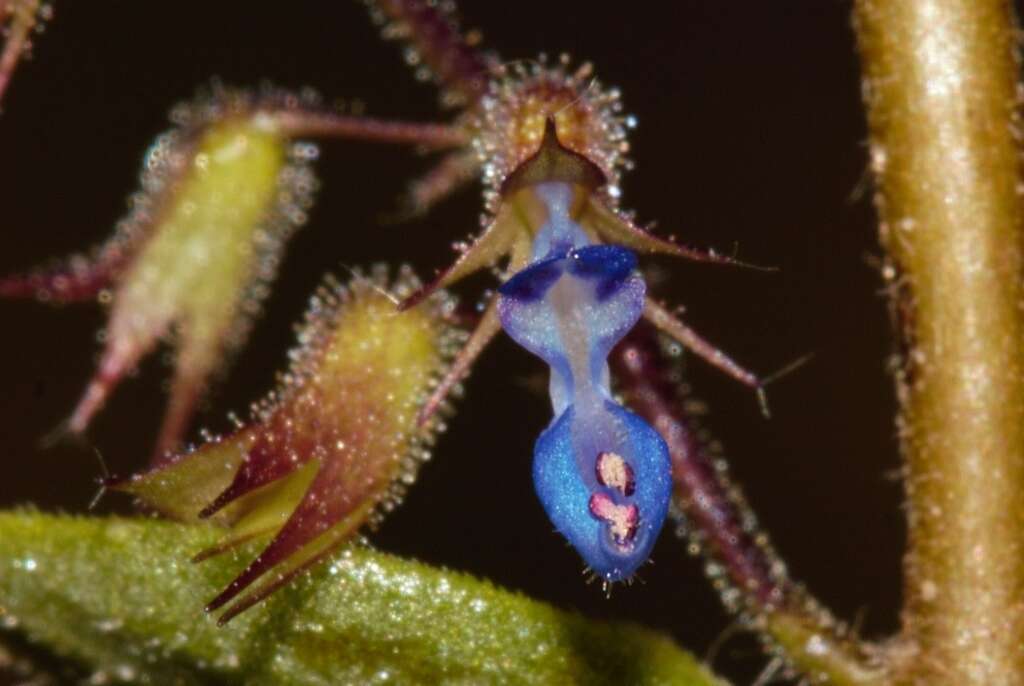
{"points": [[332, 448], [220, 196]]}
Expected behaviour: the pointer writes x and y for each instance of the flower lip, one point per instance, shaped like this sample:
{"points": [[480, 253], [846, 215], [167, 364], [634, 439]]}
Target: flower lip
{"points": [[601, 473]]}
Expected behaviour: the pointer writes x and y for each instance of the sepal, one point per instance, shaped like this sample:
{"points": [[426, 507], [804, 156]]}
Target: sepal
{"points": [[330, 450]]}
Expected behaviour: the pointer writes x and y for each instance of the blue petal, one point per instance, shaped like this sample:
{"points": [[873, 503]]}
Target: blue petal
{"points": [[601, 472], [532, 283], [599, 303], [564, 489], [607, 265]]}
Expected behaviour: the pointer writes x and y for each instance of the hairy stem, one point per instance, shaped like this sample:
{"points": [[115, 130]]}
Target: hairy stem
{"points": [[940, 85], [434, 36], [298, 124]]}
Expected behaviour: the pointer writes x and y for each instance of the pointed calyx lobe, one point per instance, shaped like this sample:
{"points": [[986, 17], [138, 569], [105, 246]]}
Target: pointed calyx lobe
{"points": [[334, 445], [221, 194]]}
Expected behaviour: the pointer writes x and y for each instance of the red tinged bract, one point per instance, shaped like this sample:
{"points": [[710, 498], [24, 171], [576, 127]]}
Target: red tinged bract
{"points": [[332, 448]]}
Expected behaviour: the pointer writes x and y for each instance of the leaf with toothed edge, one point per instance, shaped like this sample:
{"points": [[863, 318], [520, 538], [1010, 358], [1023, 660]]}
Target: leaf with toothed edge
{"points": [[119, 596]]}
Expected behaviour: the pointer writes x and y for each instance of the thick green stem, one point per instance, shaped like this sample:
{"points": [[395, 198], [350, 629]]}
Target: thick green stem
{"points": [[940, 85]]}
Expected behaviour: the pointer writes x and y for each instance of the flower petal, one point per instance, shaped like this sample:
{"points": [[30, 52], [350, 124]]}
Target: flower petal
{"points": [[601, 472]]}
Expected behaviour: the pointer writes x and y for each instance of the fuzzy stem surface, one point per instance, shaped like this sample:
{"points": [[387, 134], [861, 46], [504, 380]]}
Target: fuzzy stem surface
{"points": [[942, 96]]}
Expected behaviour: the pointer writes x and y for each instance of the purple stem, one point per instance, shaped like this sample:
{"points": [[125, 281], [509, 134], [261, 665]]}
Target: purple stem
{"points": [[434, 34], [719, 521], [718, 518], [297, 124]]}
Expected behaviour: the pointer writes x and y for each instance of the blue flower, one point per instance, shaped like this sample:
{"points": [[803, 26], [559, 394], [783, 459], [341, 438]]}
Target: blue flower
{"points": [[601, 472]]}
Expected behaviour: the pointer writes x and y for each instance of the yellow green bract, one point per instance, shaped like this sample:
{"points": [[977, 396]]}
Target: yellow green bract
{"points": [[222, 198]]}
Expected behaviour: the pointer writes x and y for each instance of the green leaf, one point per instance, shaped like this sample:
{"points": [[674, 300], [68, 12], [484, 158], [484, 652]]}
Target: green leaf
{"points": [[121, 596]]}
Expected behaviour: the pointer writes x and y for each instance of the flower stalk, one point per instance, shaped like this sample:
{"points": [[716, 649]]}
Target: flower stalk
{"points": [[751, 577]]}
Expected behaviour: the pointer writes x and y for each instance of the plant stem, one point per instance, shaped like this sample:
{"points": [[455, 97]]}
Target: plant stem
{"points": [[823, 654], [940, 86]]}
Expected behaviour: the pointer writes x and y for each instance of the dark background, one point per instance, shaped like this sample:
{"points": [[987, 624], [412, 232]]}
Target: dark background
{"points": [[750, 134]]}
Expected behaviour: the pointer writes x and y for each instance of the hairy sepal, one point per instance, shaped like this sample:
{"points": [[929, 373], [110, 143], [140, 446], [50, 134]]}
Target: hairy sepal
{"points": [[336, 444]]}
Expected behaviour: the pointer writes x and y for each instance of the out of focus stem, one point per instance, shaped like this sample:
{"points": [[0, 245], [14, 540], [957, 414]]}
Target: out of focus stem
{"points": [[942, 95], [721, 523]]}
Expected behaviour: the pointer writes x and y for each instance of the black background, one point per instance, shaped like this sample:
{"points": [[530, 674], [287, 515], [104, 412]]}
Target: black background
{"points": [[750, 134]]}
